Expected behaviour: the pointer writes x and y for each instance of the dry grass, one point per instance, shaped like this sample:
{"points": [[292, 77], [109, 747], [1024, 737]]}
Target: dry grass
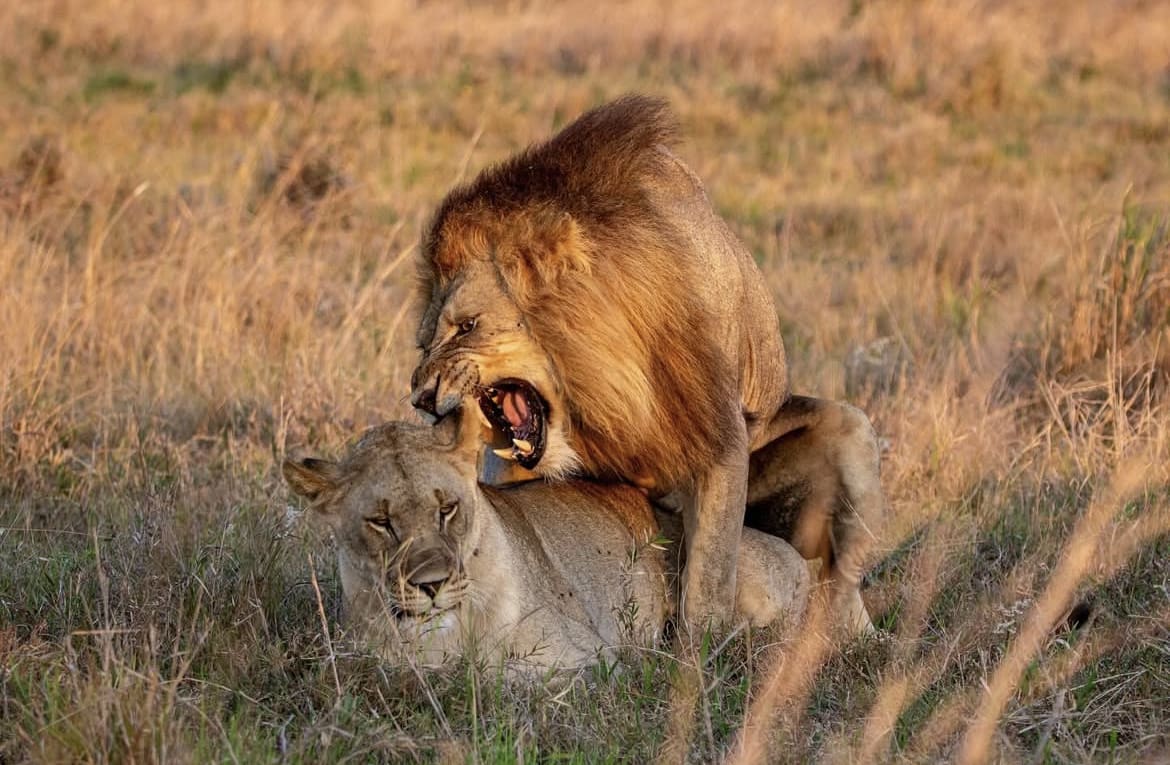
{"points": [[206, 225]]}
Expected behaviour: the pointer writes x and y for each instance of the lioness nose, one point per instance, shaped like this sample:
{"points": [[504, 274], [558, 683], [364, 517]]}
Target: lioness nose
{"points": [[428, 572], [430, 588]]}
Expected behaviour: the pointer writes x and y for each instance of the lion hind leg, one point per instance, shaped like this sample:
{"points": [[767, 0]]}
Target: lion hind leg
{"points": [[816, 484], [862, 508]]}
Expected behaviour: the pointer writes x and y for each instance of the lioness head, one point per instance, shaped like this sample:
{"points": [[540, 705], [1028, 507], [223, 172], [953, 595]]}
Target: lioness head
{"points": [[401, 546]]}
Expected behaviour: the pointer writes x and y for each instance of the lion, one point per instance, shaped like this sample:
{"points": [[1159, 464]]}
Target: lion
{"points": [[585, 298], [543, 574]]}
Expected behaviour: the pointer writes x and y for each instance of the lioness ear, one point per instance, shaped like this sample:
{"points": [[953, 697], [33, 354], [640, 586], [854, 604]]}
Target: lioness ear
{"points": [[311, 478]]}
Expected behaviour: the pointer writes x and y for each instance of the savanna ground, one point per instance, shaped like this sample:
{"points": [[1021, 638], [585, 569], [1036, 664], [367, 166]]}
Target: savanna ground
{"points": [[207, 222]]}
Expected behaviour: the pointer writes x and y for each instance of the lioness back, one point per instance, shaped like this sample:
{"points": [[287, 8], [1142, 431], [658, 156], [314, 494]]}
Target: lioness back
{"points": [[588, 553]]}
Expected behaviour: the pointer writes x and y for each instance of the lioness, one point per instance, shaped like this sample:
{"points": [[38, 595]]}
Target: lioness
{"points": [[552, 574], [588, 301]]}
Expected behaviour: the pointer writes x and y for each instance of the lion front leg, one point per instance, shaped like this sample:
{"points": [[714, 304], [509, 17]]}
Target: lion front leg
{"points": [[712, 522], [814, 481]]}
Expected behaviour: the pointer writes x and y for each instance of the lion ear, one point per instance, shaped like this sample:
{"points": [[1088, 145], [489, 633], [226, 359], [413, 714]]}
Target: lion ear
{"points": [[311, 478], [551, 246], [565, 246]]}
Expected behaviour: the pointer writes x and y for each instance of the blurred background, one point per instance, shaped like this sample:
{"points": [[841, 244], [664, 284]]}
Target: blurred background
{"points": [[208, 221]]}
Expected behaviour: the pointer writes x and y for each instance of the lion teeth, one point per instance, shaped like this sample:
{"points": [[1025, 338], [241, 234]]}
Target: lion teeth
{"points": [[505, 453], [483, 417], [522, 445]]}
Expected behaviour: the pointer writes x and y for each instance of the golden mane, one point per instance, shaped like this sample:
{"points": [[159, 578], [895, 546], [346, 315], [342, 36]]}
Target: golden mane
{"points": [[578, 242]]}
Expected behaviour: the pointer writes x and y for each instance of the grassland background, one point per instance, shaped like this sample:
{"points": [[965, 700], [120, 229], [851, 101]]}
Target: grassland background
{"points": [[207, 220]]}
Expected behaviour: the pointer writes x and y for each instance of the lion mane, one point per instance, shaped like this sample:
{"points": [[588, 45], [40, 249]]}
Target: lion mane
{"points": [[587, 252]]}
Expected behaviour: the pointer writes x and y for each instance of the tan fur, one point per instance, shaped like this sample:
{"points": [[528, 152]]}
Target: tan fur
{"points": [[549, 574], [600, 274], [817, 486]]}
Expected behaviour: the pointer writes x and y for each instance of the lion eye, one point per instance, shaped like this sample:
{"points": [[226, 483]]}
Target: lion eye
{"points": [[467, 325]]}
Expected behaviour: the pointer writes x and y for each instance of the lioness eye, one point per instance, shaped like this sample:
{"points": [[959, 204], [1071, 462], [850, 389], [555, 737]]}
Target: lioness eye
{"points": [[383, 524], [447, 512], [467, 325]]}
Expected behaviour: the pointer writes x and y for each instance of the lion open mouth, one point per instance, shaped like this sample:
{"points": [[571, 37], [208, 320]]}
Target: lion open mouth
{"points": [[516, 415]]}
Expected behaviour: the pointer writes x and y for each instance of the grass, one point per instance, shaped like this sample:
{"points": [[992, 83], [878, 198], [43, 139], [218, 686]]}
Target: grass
{"points": [[207, 218]]}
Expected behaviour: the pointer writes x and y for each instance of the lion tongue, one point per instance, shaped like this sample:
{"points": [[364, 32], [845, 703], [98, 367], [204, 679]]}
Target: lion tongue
{"points": [[515, 409]]}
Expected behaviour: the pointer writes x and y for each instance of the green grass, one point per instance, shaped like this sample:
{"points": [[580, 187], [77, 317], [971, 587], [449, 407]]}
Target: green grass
{"points": [[115, 81]]}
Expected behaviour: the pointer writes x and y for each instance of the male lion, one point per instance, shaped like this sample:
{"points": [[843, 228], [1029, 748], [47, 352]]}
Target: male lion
{"points": [[605, 320], [553, 574]]}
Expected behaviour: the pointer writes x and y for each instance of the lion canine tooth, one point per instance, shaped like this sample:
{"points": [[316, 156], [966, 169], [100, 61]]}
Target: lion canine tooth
{"points": [[483, 417], [505, 453], [522, 445]]}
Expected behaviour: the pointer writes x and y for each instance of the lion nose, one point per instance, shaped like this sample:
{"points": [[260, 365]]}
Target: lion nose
{"points": [[423, 395], [424, 399]]}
